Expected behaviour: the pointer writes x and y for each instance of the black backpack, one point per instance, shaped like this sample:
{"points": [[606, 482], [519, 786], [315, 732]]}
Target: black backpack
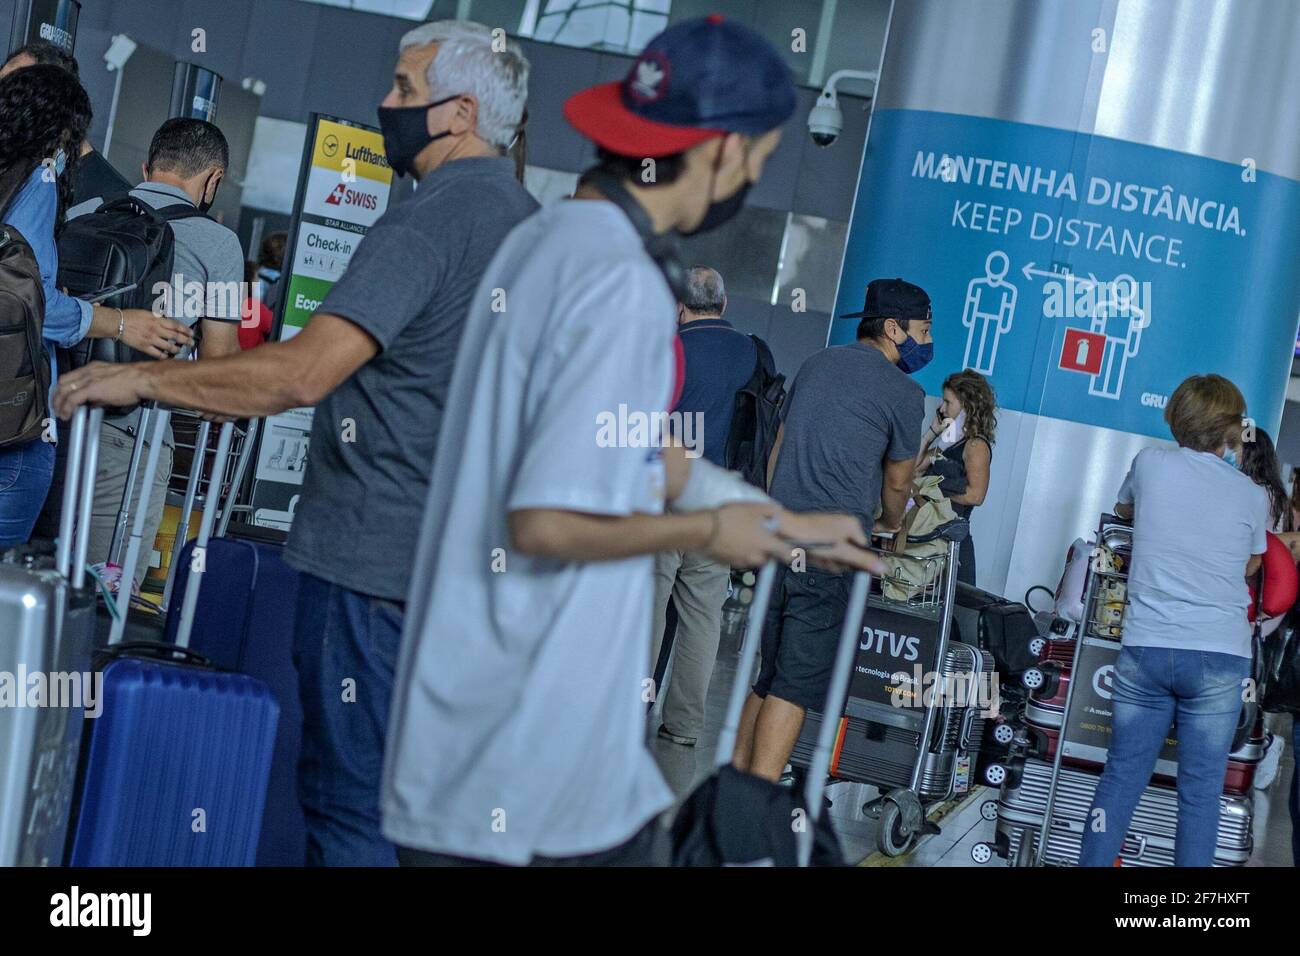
{"points": [[24, 363], [123, 241], [756, 419]]}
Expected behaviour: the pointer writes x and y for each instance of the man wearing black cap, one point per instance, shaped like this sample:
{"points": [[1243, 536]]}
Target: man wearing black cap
{"points": [[848, 441], [517, 730]]}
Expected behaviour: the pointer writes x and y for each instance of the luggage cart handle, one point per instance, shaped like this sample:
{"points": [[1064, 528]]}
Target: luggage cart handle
{"points": [[78, 495], [819, 766]]}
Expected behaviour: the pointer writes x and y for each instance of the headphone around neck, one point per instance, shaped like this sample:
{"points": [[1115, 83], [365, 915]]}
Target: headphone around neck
{"points": [[661, 247]]}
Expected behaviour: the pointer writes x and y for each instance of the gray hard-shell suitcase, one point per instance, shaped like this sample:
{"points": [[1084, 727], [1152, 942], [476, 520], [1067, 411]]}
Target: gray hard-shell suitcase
{"points": [[47, 617], [1151, 833]]}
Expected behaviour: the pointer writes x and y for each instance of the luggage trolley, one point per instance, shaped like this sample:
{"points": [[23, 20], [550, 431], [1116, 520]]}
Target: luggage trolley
{"points": [[1105, 597], [1058, 753], [911, 718], [191, 484]]}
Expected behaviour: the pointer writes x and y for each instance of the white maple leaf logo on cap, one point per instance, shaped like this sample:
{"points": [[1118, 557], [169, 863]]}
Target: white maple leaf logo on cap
{"points": [[648, 77]]}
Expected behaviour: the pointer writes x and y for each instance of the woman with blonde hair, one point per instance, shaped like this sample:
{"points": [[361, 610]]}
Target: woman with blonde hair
{"points": [[958, 446], [1199, 528]]}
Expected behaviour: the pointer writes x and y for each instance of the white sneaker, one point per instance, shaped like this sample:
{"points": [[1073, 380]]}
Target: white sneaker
{"points": [[1266, 772]]}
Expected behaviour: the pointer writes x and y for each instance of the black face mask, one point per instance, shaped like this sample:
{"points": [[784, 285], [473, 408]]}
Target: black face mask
{"points": [[721, 210], [205, 204], [406, 133]]}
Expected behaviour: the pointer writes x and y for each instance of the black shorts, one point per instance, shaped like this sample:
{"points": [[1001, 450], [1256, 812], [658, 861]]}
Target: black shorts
{"points": [[800, 635]]}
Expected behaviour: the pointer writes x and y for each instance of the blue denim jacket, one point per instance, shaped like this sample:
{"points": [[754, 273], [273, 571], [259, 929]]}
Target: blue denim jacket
{"points": [[67, 320]]}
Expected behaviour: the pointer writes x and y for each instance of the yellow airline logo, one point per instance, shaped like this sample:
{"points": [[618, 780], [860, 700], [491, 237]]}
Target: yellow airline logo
{"points": [[346, 148]]}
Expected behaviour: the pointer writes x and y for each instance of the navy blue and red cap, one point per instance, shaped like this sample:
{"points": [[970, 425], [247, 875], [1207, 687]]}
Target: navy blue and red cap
{"points": [[698, 79]]}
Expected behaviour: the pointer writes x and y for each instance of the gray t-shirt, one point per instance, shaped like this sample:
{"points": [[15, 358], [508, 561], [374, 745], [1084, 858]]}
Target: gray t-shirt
{"points": [[848, 410], [205, 253], [408, 285], [1196, 522]]}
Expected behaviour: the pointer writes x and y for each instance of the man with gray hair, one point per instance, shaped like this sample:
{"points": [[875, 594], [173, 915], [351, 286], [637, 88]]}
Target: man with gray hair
{"points": [[719, 362], [376, 361]]}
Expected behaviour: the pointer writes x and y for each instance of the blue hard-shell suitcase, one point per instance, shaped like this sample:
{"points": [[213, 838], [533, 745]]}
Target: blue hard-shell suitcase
{"points": [[244, 622], [176, 766]]}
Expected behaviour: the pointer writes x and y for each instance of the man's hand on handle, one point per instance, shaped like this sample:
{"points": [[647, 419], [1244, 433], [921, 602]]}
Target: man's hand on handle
{"points": [[747, 535], [99, 383]]}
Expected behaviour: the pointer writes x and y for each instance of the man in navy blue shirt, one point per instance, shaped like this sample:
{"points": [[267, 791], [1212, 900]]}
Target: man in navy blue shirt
{"points": [[719, 361]]}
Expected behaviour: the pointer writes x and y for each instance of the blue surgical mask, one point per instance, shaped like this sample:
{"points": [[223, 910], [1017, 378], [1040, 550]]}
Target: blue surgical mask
{"points": [[1230, 457], [912, 356]]}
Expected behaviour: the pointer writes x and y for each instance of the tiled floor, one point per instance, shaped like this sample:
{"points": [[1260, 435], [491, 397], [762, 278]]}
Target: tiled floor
{"points": [[962, 826]]}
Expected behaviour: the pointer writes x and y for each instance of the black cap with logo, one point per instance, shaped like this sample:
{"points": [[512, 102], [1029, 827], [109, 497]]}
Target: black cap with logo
{"points": [[893, 299]]}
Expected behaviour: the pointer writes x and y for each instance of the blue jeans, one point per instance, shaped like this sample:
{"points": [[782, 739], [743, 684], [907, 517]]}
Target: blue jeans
{"points": [[1295, 790], [1155, 686], [345, 648], [25, 474]]}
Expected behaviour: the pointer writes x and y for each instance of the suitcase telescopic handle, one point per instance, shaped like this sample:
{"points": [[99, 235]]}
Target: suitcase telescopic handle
{"points": [[748, 654], [78, 495]]}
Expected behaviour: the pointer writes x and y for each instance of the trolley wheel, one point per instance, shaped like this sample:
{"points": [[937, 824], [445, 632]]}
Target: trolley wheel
{"points": [[995, 775], [1034, 678], [892, 836], [981, 853], [989, 809], [1004, 734], [1037, 646]]}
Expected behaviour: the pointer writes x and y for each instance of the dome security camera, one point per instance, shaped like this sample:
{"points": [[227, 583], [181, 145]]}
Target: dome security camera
{"points": [[825, 119]]}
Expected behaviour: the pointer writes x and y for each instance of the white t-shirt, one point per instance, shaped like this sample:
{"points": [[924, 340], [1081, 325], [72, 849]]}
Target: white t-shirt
{"points": [[1197, 521], [518, 719]]}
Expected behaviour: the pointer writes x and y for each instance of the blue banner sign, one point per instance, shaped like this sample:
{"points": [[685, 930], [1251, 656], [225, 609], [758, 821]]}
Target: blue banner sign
{"points": [[1086, 276]]}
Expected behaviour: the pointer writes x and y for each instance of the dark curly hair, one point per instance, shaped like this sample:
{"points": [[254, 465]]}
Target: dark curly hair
{"points": [[43, 109], [975, 393], [1259, 463]]}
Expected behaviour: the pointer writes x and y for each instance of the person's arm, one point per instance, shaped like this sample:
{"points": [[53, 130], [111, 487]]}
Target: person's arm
{"points": [[220, 338], [731, 533], [224, 314], [1125, 500], [895, 489], [262, 381], [1259, 531], [905, 418], [154, 335], [932, 433], [977, 458], [731, 521]]}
